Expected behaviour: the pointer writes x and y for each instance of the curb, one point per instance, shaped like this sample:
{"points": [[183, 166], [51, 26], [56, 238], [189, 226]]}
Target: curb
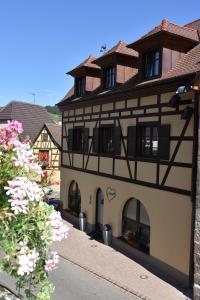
{"points": [[123, 287]]}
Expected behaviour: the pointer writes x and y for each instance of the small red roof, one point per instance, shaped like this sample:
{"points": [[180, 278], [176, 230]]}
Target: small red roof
{"points": [[87, 63], [119, 48], [186, 32], [194, 24]]}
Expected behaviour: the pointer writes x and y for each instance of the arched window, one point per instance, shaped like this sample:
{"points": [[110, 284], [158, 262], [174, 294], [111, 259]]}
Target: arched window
{"points": [[136, 225], [74, 200]]}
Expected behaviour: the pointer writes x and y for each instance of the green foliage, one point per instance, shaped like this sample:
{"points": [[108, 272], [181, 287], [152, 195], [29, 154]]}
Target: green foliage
{"points": [[56, 118], [32, 227], [53, 109]]}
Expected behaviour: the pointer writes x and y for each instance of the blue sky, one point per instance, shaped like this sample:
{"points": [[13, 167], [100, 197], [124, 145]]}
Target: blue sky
{"points": [[42, 39]]}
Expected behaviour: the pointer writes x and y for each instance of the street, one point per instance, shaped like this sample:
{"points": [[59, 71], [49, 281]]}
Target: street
{"points": [[74, 283]]}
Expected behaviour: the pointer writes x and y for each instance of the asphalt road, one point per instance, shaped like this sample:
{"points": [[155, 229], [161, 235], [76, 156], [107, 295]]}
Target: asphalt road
{"points": [[74, 283]]}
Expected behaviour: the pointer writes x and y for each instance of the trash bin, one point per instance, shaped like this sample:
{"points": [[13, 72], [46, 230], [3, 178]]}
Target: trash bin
{"points": [[82, 221], [107, 234]]}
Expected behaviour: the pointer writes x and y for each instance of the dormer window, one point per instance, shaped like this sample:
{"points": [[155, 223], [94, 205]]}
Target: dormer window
{"points": [[151, 64], [109, 77], [80, 86]]}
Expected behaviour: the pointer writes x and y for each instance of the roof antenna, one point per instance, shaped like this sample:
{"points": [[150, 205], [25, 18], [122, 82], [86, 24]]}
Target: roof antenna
{"points": [[33, 94], [103, 48]]}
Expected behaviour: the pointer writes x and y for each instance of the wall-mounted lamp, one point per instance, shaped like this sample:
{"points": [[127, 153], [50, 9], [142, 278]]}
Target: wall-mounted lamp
{"points": [[183, 89], [187, 113], [175, 99]]}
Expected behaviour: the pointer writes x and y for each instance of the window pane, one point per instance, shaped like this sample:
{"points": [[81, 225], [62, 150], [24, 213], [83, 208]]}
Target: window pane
{"points": [[156, 67], [80, 86], [77, 139], [144, 218], [106, 140], [155, 141], [109, 77], [131, 209], [157, 55], [146, 140], [152, 64]]}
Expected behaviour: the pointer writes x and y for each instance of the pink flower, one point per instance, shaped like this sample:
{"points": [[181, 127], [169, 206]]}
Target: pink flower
{"points": [[14, 126], [25, 158], [21, 191], [52, 261], [59, 229], [27, 259]]}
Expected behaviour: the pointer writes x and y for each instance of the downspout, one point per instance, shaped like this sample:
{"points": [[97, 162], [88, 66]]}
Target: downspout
{"points": [[195, 192]]}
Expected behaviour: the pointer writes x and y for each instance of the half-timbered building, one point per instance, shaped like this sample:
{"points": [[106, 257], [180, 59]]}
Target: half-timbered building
{"points": [[47, 146], [129, 145]]}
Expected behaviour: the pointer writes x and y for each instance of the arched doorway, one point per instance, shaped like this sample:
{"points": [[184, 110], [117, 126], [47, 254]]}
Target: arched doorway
{"points": [[74, 199], [99, 210], [136, 225]]}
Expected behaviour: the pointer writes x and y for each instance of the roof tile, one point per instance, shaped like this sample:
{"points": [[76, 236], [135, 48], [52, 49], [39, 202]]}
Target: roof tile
{"points": [[30, 115]]}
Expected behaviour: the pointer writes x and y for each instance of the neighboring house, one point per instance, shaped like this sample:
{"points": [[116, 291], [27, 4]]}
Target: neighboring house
{"points": [[129, 147], [30, 115], [47, 146]]}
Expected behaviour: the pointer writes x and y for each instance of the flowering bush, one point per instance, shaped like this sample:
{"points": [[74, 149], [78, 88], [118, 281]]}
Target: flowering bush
{"points": [[28, 226]]}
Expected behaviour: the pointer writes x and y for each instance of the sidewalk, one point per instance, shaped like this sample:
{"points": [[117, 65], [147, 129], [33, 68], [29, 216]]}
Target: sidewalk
{"points": [[113, 266]]}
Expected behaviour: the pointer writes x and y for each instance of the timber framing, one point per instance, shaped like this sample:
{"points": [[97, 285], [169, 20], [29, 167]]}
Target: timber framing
{"points": [[140, 140], [140, 112], [51, 144]]}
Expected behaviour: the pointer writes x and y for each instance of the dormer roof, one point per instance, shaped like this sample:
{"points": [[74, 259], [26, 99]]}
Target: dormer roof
{"points": [[166, 27], [121, 49], [86, 64], [189, 63], [194, 24]]}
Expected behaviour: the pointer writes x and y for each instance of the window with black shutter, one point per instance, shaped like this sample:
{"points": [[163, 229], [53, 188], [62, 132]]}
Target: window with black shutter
{"points": [[77, 144], [109, 77], [78, 139], [149, 141], [107, 140]]}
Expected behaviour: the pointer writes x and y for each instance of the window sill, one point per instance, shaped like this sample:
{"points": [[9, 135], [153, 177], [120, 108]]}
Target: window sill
{"points": [[144, 158], [106, 154]]}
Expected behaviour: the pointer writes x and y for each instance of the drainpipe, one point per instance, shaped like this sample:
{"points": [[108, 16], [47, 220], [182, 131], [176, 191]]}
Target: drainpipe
{"points": [[195, 236]]}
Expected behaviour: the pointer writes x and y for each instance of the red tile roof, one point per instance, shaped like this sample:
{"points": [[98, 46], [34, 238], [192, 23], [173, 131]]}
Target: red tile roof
{"points": [[120, 48], [88, 62], [30, 115], [189, 63], [194, 24], [69, 94], [187, 32], [55, 132]]}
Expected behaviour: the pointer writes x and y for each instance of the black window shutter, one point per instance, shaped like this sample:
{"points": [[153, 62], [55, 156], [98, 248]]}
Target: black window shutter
{"points": [[131, 141], [85, 140], [70, 139], [117, 140], [96, 140], [164, 141]]}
